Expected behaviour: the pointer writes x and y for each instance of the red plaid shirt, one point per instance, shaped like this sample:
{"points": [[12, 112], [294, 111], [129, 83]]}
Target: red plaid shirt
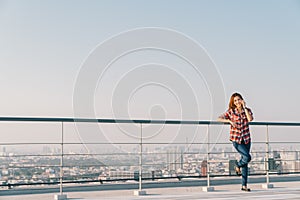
{"points": [[241, 132]]}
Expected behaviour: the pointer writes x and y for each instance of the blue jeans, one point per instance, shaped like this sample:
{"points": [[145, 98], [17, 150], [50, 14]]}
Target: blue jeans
{"points": [[244, 151]]}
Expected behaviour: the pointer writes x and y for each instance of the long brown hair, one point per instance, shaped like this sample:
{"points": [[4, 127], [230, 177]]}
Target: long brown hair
{"points": [[231, 102]]}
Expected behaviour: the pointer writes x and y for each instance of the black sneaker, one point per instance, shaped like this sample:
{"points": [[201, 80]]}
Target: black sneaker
{"points": [[246, 189]]}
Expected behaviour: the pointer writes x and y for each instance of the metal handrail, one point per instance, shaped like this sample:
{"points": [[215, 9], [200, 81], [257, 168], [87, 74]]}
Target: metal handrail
{"points": [[136, 121]]}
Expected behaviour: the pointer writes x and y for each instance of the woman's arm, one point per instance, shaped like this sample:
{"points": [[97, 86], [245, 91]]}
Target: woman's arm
{"points": [[249, 117], [226, 120]]}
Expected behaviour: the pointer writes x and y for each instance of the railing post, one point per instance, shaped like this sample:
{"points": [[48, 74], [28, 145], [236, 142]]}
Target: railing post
{"points": [[208, 188], [141, 159], [61, 196], [267, 185], [140, 191], [208, 167]]}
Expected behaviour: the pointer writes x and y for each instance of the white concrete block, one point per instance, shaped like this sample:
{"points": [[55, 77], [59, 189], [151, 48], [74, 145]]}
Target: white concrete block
{"points": [[60, 197], [208, 189], [267, 186], [139, 192]]}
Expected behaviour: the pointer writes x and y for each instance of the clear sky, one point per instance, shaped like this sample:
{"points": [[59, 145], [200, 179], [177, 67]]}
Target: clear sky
{"points": [[254, 45]]}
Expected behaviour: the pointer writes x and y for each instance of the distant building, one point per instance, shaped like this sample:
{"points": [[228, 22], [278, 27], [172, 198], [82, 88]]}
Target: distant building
{"points": [[204, 168], [296, 167], [231, 169], [174, 159], [121, 174], [128, 175]]}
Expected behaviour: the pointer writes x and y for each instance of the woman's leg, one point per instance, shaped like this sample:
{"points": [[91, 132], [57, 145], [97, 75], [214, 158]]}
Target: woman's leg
{"points": [[245, 175], [244, 150]]}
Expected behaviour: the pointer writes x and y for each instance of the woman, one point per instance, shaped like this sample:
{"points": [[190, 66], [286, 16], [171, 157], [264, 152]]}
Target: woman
{"points": [[238, 115]]}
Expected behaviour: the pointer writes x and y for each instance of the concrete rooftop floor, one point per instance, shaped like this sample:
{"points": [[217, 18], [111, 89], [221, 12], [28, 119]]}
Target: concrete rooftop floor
{"points": [[281, 190]]}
